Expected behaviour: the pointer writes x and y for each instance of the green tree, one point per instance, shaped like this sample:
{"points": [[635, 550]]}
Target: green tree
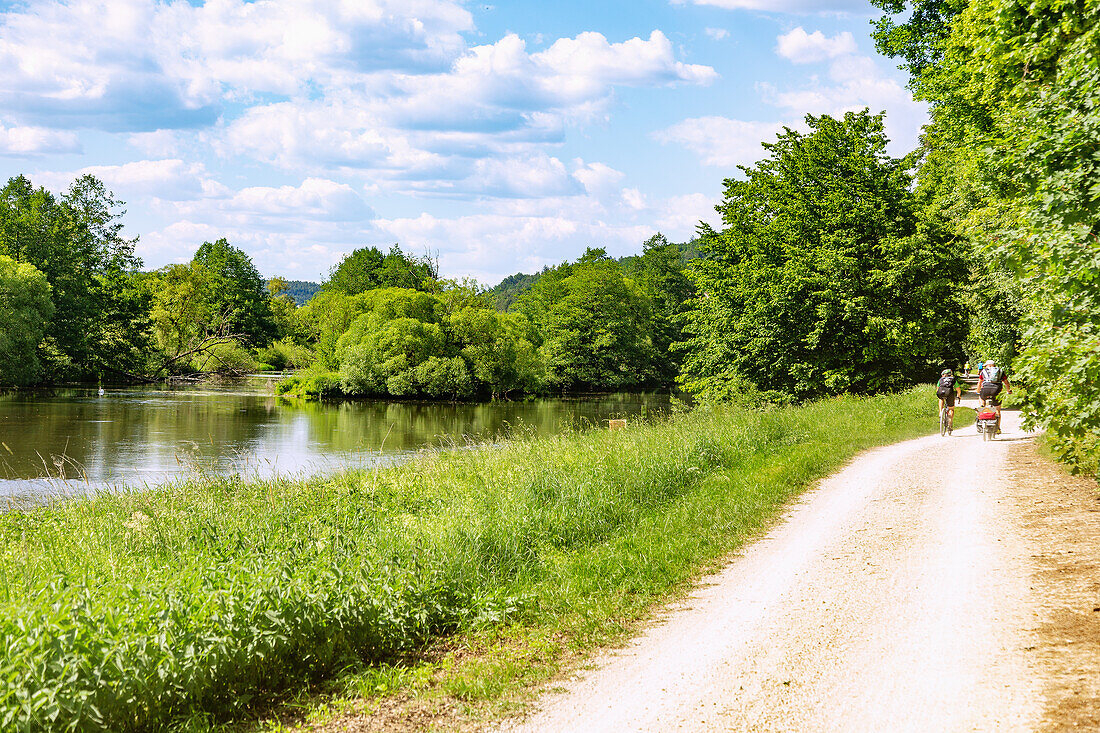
{"points": [[824, 279], [661, 275], [284, 311], [235, 294], [1016, 164], [596, 326], [387, 349], [76, 242], [25, 312], [369, 268], [186, 323], [498, 349]]}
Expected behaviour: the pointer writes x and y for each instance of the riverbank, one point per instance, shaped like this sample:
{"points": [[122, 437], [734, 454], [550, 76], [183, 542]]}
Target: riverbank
{"points": [[201, 601]]}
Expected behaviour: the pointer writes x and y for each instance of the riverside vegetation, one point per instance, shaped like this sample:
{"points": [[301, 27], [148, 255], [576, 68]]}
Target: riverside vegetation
{"points": [[197, 602]]}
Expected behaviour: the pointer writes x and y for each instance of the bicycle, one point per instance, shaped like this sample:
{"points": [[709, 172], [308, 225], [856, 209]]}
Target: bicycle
{"points": [[945, 421]]}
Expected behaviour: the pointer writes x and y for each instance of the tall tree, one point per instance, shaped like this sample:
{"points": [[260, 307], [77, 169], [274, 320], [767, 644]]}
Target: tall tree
{"points": [[661, 275], [596, 326], [25, 312], [236, 292], [1016, 164], [76, 242], [369, 268], [824, 279]]}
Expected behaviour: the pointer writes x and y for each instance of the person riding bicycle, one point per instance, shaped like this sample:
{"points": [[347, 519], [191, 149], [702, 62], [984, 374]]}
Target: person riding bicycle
{"points": [[990, 381], [947, 389]]}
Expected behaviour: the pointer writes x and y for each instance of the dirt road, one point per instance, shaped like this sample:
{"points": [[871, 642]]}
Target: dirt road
{"points": [[913, 591]]}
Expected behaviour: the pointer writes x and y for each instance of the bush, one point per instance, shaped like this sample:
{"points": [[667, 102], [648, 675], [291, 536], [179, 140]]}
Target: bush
{"points": [[225, 358], [317, 385], [284, 354]]}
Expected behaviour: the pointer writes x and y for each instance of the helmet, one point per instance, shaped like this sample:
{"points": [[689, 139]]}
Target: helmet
{"points": [[990, 362], [945, 372]]}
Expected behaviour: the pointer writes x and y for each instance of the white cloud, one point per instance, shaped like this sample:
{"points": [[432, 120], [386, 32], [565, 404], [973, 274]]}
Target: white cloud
{"points": [[314, 197], [20, 141], [170, 179], [634, 199], [852, 83], [140, 65], [428, 130], [680, 215], [588, 63], [786, 6], [804, 48], [720, 141], [597, 178], [491, 246], [717, 34], [160, 143], [532, 176]]}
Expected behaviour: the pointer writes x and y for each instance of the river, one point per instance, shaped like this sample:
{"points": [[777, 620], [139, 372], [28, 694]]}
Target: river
{"points": [[73, 440]]}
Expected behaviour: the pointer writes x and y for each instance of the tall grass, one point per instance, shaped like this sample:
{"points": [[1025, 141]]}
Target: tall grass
{"points": [[134, 611]]}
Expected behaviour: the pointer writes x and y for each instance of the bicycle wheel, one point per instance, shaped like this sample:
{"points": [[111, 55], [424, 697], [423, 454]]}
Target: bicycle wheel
{"points": [[943, 421]]}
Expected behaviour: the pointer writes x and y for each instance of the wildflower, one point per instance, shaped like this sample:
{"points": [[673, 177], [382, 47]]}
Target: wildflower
{"points": [[138, 523]]}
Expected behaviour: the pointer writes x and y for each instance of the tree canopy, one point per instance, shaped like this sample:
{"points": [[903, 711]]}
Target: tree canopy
{"points": [[25, 311], [369, 268], [76, 242], [824, 279], [1012, 158], [596, 325]]}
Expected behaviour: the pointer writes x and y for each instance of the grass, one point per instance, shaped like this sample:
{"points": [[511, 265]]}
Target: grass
{"points": [[203, 601]]}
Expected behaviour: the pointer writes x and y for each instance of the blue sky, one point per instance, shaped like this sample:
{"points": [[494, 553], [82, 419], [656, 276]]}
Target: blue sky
{"points": [[498, 136]]}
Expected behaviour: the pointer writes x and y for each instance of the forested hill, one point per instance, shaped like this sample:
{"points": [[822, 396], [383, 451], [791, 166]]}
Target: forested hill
{"points": [[507, 290], [301, 290], [504, 293]]}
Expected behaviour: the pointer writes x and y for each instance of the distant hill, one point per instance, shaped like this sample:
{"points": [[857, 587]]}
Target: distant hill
{"points": [[507, 290], [301, 290], [510, 288]]}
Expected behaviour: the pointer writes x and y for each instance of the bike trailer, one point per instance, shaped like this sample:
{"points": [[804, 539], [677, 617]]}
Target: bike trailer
{"points": [[987, 423]]}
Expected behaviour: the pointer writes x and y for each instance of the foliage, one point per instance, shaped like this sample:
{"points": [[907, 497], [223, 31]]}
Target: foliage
{"points": [[136, 610], [76, 242], [661, 274], [300, 291], [1017, 166], [315, 382], [825, 280], [406, 343], [204, 311], [285, 354], [25, 311], [504, 294], [235, 292], [369, 268], [224, 357], [596, 326], [284, 311]]}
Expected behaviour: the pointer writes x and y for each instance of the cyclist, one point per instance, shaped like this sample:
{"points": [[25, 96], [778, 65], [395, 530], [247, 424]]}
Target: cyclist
{"points": [[947, 389], [991, 379]]}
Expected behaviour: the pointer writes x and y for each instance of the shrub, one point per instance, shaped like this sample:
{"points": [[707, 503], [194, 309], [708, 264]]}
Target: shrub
{"points": [[225, 358]]}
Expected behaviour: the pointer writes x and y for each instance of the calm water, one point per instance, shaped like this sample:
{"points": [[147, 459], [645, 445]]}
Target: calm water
{"points": [[74, 439]]}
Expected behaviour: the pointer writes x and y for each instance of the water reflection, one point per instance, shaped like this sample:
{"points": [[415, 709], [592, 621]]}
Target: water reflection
{"points": [[72, 439]]}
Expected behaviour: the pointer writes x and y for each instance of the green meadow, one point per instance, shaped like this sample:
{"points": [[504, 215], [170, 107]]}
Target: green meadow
{"points": [[205, 600]]}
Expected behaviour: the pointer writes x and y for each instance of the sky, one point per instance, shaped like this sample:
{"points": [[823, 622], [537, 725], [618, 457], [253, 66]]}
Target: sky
{"points": [[497, 137]]}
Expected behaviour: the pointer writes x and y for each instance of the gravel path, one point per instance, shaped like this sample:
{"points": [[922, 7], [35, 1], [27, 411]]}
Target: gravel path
{"points": [[895, 596]]}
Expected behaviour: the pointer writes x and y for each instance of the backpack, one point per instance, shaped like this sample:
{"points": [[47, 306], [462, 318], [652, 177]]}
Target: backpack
{"points": [[946, 383], [992, 375]]}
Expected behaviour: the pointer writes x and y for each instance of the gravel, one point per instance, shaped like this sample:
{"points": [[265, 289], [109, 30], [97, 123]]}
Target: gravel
{"points": [[895, 596]]}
